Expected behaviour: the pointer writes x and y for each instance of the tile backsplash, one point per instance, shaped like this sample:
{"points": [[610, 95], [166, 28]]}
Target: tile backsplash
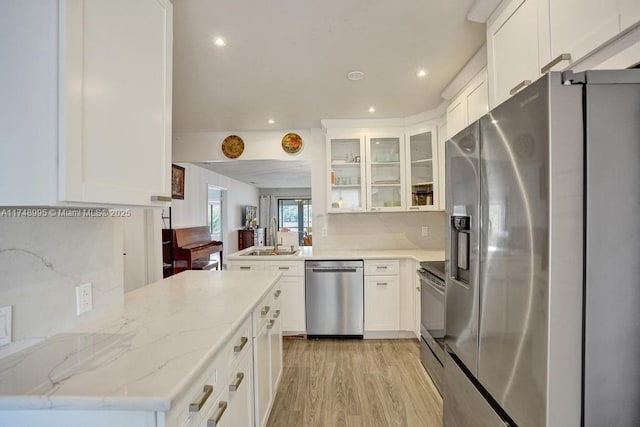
{"points": [[42, 260], [377, 231]]}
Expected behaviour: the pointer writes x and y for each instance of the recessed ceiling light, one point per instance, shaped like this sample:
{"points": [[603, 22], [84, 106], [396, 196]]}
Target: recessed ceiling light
{"points": [[219, 41], [271, 121], [372, 110], [355, 75], [421, 73]]}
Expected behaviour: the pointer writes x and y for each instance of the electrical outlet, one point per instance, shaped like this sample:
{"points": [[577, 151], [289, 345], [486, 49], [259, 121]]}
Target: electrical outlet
{"points": [[84, 298], [324, 231], [5, 325], [425, 231]]}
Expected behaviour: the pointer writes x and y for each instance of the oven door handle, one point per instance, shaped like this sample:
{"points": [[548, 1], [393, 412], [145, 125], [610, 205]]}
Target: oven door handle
{"points": [[424, 278]]}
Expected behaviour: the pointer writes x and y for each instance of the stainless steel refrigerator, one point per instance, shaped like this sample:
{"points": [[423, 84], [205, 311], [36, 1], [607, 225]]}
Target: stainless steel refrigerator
{"points": [[543, 257]]}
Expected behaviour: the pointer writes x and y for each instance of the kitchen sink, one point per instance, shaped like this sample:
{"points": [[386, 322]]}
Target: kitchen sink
{"points": [[270, 252]]}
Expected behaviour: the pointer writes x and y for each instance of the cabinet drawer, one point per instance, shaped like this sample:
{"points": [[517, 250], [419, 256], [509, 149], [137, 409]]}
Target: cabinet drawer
{"points": [[239, 345], [195, 403], [263, 311], [245, 265], [381, 266], [287, 268]]}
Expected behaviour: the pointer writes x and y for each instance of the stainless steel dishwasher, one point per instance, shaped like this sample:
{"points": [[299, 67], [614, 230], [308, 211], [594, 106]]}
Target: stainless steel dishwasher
{"points": [[334, 298]]}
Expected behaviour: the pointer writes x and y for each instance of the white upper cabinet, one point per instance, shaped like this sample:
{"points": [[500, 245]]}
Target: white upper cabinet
{"points": [[345, 156], [87, 105], [442, 139], [470, 104], [579, 26], [456, 116], [513, 51], [422, 169], [385, 165]]}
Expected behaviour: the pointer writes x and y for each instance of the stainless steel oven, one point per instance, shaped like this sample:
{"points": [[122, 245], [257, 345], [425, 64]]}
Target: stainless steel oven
{"points": [[432, 287]]}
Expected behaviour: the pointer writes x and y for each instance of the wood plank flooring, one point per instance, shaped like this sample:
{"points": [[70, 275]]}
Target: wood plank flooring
{"points": [[365, 383]]}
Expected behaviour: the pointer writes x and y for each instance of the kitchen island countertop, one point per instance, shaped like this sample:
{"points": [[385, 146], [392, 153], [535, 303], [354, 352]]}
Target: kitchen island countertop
{"points": [[139, 357]]}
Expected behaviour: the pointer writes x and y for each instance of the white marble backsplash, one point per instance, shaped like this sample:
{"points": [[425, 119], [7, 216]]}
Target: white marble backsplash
{"points": [[42, 260], [380, 231]]}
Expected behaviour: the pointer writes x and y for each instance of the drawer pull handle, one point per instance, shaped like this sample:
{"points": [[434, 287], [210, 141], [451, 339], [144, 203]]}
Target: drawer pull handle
{"points": [[278, 293], [215, 420], [382, 283], [271, 323], [381, 267], [283, 268], [244, 267], [517, 88], [276, 314], [243, 342], [413, 208], [160, 198], [557, 60], [265, 310], [206, 392], [236, 383]]}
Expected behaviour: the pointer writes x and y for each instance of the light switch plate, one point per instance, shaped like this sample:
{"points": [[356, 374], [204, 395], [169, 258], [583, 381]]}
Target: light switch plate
{"points": [[425, 231], [84, 298], [5, 325]]}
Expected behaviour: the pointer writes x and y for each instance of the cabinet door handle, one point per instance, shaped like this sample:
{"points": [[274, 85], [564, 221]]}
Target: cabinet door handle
{"points": [[245, 268], [418, 288], [382, 283], [215, 420], [243, 342], [206, 392], [277, 293], [265, 310], [414, 208], [276, 314], [557, 60], [519, 87], [271, 323], [236, 383], [160, 198]]}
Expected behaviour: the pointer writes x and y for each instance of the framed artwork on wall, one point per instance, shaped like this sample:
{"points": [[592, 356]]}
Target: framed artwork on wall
{"points": [[177, 182]]}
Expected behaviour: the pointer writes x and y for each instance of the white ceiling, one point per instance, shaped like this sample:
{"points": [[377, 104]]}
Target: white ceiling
{"points": [[288, 60], [266, 173]]}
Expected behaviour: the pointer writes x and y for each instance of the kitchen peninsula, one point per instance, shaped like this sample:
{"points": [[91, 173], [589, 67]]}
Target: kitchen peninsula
{"points": [[175, 354]]}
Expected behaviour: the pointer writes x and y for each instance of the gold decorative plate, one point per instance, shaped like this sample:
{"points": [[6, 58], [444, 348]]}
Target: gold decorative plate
{"points": [[291, 143], [232, 146]]}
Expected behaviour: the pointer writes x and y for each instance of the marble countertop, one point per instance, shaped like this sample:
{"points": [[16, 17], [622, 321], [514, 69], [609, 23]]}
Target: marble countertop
{"points": [[142, 356], [307, 252]]}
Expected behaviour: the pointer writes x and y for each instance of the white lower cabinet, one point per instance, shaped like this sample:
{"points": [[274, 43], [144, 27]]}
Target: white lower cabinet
{"points": [[267, 354], [382, 303], [381, 295], [293, 316], [236, 409]]}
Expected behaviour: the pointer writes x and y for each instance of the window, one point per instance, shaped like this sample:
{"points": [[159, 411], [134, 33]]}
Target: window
{"points": [[214, 213], [295, 215]]}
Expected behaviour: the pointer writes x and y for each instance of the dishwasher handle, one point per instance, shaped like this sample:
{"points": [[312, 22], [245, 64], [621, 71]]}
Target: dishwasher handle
{"points": [[334, 270]]}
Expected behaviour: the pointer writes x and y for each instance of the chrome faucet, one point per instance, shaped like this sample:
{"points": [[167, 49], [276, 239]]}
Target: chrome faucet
{"points": [[273, 233]]}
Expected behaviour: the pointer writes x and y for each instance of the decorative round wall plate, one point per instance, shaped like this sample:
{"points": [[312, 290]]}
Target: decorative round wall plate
{"points": [[232, 146], [291, 143]]}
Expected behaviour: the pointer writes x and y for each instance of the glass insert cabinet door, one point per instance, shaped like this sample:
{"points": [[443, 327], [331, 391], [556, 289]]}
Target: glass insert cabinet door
{"points": [[385, 173], [346, 175], [422, 171]]}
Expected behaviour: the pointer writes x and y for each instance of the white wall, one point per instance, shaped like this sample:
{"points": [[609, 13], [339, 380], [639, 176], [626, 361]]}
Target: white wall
{"points": [[42, 260], [192, 211]]}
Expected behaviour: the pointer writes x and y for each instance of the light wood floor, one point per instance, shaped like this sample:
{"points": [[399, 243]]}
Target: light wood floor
{"points": [[355, 383]]}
